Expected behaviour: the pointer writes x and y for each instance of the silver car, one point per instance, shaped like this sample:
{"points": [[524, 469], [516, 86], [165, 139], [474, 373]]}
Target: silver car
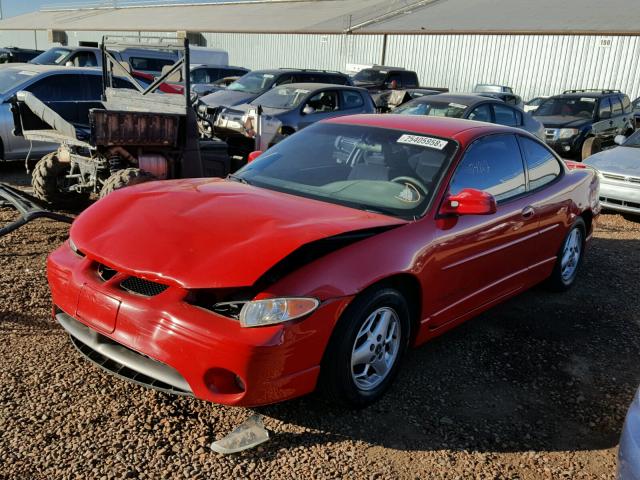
{"points": [[619, 171], [629, 450], [69, 91], [472, 107]]}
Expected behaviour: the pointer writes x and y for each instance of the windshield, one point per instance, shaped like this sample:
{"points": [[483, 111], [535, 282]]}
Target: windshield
{"points": [[567, 107], [282, 97], [636, 104], [375, 169], [53, 56], [369, 75], [633, 140], [10, 78], [254, 82], [432, 109]]}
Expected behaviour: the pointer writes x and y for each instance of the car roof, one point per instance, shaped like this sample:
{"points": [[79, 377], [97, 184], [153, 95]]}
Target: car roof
{"points": [[462, 98], [456, 128], [36, 68], [586, 94], [299, 70], [319, 86]]}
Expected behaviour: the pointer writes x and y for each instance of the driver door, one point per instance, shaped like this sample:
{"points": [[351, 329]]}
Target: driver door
{"points": [[480, 259]]}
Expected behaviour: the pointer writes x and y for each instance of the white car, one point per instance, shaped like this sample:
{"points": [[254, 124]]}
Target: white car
{"points": [[619, 171]]}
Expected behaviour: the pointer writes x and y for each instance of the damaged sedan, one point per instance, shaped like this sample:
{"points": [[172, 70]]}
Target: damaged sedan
{"points": [[321, 261]]}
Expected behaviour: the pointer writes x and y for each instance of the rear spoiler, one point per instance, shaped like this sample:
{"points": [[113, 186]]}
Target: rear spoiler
{"points": [[28, 208]]}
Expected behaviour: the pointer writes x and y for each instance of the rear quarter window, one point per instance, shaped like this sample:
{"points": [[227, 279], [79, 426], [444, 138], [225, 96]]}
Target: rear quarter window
{"points": [[542, 165]]}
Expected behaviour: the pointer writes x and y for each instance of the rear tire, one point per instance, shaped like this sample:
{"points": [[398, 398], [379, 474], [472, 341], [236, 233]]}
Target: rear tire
{"points": [[591, 146], [124, 178], [363, 355], [49, 181], [569, 258]]}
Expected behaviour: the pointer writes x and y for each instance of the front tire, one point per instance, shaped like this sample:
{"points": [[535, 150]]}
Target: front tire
{"points": [[365, 349], [124, 178], [569, 258], [50, 184]]}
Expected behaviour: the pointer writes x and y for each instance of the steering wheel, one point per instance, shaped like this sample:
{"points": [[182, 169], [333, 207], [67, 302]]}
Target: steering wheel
{"points": [[414, 182]]}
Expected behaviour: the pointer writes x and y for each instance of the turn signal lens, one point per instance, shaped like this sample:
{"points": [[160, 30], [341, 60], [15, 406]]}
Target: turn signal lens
{"points": [[275, 310]]}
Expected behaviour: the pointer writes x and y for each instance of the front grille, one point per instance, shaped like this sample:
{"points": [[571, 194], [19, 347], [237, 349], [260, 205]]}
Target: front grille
{"points": [[622, 203], [105, 273], [551, 134], [621, 178], [143, 287]]}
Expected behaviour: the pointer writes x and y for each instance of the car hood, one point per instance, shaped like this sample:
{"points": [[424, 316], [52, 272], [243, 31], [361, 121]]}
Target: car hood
{"points": [[208, 233], [245, 107], [227, 98], [561, 121], [620, 160]]}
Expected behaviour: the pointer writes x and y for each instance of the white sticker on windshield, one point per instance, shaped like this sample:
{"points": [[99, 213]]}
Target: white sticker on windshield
{"points": [[457, 105], [423, 141], [587, 99]]}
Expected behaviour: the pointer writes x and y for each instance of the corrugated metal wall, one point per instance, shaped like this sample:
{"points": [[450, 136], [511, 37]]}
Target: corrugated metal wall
{"points": [[532, 64], [330, 52]]}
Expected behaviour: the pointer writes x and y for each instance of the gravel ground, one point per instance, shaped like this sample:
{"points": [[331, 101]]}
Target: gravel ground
{"points": [[535, 388]]}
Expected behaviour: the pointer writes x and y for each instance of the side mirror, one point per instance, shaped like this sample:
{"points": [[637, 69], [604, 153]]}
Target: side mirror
{"points": [[253, 155], [605, 115], [308, 110], [620, 139], [469, 202]]}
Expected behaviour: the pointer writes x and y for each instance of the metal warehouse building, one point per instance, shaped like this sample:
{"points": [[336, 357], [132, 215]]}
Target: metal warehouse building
{"points": [[538, 47]]}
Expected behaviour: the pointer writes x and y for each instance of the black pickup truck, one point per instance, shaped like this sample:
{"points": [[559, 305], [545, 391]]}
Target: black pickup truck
{"points": [[580, 122], [381, 81]]}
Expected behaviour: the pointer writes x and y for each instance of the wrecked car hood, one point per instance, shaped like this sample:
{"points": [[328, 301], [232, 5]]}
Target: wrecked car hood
{"points": [[208, 233]]}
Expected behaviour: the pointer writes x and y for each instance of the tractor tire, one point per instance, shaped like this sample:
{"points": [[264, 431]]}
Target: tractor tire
{"points": [[124, 178], [48, 180], [590, 146]]}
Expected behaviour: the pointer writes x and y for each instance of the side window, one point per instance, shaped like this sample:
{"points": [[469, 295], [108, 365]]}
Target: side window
{"points": [[285, 79], [94, 86], [326, 101], [542, 165], [84, 59], [200, 75], [507, 116], [351, 99], [408, 80], [616, 106], [395, 77], [482, 113], [605, 108], [626, 104], [56, 88], [492, 164]]}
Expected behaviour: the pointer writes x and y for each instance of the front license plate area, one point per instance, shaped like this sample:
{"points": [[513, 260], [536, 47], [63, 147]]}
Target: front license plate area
{"points": [[97, 309]]}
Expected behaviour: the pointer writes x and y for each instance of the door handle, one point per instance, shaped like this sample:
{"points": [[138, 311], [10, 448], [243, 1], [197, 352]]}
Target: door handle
{"points": [[528, 212]]}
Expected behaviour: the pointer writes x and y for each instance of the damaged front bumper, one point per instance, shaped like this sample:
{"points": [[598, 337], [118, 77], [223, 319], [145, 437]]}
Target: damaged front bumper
{"points": [[162, 341], [26, 206]]}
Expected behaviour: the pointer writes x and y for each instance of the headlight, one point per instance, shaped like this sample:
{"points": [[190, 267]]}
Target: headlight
{"points": [[74, 249], [258, 313], [568, 132]]}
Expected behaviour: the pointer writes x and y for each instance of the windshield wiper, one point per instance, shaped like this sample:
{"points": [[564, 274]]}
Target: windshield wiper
{"points": [[237, 178]]}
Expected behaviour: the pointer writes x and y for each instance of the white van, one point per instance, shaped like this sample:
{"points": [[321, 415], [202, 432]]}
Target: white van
{"points": [[208, 56]]}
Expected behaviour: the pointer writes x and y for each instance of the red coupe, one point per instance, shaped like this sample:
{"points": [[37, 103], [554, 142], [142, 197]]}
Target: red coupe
{"points": [[317, 264]]}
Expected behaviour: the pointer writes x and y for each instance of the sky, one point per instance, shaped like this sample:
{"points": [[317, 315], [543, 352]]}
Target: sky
{"points": [[11, 8]]}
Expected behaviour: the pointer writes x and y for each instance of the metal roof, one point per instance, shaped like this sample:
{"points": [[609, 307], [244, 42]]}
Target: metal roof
{"points": [[356, 16], [514, 16], [289, 16]]}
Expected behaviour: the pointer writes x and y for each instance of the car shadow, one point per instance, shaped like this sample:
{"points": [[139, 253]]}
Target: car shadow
{"points": [[543, 371]]}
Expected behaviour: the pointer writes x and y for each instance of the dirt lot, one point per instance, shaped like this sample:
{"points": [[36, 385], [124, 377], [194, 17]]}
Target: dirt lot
{"points": [[535, 388]]}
